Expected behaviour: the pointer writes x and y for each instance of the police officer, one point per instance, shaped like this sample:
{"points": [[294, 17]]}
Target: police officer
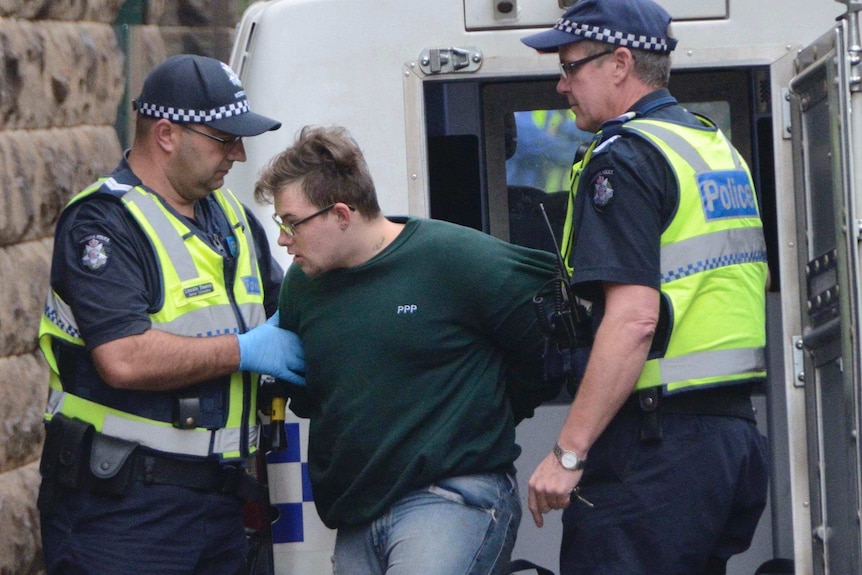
{"points": [[158, 277], [659, 466]]}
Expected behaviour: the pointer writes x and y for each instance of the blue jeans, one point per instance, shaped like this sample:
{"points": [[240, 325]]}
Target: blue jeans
{"points": [[458, 526]]}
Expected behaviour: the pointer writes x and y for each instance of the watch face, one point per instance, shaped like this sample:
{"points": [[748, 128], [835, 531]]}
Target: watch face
{"points": [[569, 460]]}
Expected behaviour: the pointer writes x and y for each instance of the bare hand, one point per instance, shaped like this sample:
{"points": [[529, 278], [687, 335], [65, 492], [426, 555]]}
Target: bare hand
{"points": [[551, 487]]}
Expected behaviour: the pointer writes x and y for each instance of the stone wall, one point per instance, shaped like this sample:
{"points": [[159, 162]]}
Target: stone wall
{"points": [[62, 79]]}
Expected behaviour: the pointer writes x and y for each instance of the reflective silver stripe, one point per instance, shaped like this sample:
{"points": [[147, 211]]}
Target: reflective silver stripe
{"points": [[227, 440], [180, 255], [61, 315], [711, 251], [724, 362], [194, 442], [255, 314], [161, 437], [245, 229], [681, 146], [55, 401], [220, 319]]}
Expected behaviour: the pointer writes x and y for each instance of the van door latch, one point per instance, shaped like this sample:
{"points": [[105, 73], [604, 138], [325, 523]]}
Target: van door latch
{"points": [[448, 60]]}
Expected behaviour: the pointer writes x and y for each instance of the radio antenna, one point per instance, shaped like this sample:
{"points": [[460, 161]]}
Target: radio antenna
{"points": [[563, 271]]}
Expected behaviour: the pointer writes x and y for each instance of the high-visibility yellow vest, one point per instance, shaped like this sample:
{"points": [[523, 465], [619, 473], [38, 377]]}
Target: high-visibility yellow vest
{"points": [[196, 302], [713, 261]]}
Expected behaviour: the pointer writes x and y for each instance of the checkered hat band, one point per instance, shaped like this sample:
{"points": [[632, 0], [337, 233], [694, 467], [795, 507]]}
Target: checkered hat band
{"points": [[193, 116], [599, 34]]}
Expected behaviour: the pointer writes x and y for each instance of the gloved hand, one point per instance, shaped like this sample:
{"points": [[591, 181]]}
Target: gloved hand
{"points": [[270, 349]]}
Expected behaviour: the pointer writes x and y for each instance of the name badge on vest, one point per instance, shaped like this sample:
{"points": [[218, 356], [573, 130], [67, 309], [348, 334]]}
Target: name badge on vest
{"points": [[726, 194], [198, 290]]}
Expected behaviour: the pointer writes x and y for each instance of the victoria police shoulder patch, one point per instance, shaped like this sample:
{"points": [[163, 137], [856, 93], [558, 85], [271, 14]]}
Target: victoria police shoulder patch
{"points": [[602, 189], [95, 250]]}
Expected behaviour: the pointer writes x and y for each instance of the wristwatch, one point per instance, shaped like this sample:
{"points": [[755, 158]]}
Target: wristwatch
{"points": [[569, 459]]}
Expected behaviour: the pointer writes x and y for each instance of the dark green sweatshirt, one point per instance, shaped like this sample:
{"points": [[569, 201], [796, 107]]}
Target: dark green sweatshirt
{"points": [[408, 360]]}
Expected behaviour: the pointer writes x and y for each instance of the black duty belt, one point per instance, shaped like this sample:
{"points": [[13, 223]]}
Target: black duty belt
{"points": [[77, 457], [151, 468], [200, 475], [727, 401]]}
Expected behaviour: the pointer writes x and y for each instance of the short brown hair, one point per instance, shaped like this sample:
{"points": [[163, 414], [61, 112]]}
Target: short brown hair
{"points": [[331, 167]]}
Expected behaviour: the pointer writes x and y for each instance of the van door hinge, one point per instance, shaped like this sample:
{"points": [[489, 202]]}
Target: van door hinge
{"points": [[798, 361], [447, 60]]}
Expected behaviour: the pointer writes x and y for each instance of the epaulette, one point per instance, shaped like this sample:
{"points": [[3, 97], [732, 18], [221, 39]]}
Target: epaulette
{"points": [[112, 187], [614, 127], [605, 144], [611, 131]]}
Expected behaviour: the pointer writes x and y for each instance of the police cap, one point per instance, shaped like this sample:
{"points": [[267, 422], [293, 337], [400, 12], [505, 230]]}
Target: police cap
{"points": [[191, 89], [636, 24]]}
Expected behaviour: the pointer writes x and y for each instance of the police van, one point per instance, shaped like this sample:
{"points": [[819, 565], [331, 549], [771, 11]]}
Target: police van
{"points": [[460, 121]]}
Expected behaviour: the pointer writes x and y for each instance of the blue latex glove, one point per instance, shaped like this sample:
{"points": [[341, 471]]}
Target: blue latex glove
{"points": [[270, 349]]}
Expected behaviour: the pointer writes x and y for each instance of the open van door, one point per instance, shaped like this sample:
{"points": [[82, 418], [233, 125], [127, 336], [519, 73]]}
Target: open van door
{"points": [[820, 244]]}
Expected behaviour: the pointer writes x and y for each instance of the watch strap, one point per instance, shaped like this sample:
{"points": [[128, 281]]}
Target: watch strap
{"points": [[562, 453]]}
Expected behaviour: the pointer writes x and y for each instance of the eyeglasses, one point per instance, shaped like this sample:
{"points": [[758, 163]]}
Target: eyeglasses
{"points": [[568, 69], [226, 142], [290, 227]]}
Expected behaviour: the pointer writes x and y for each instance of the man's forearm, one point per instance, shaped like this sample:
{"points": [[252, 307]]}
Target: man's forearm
{"points": [[619, 351], [158, 361]]}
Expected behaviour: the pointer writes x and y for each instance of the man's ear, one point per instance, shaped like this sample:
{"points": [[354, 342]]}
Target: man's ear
{"points": [[165, 134], [624, 60], [343, 213]]}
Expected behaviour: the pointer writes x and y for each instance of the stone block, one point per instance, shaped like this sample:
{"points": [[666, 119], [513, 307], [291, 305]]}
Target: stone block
{"points": [[40, 171], [199, 13], [25, 269], [55, 74], [206, 41], [20, 545], [23, 393], [146, 51], [91, 10]]}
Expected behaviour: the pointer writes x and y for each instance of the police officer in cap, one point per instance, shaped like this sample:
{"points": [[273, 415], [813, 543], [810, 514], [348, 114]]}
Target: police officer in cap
{"points": [[659, 466], [155, 333]]}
